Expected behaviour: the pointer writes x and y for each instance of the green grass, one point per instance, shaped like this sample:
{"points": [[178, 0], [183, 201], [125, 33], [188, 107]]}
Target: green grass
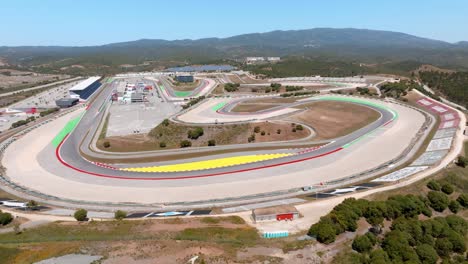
{"points": [[103, 133], [238, 236], [66, 130], [7, 254], [97, 231]]}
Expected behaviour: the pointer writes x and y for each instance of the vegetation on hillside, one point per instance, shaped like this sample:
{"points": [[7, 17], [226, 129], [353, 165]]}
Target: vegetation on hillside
{"points": [[405, 228], [453, 85]]}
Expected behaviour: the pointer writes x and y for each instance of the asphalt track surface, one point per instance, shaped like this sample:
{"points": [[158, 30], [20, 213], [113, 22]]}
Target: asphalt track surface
{"points": [[170, 92], [68, 152]]}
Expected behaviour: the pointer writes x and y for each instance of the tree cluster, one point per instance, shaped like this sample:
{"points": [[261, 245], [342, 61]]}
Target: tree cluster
{"points": [[231, 87]]}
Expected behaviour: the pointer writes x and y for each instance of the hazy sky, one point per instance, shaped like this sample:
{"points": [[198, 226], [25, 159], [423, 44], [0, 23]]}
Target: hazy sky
{"points": [[94, 22]]}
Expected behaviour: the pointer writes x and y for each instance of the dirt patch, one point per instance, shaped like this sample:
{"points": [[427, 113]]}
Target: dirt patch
{"points": [[335, 119], [10, 78], [234, 78], [172, 134], [219, 89]]}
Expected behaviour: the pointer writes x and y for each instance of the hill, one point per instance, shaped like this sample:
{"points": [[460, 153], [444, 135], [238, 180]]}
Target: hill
{"points": [[368, 46]]}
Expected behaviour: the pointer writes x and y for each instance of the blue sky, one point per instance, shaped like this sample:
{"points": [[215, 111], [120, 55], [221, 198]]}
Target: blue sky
{"points": [[87, 22]]}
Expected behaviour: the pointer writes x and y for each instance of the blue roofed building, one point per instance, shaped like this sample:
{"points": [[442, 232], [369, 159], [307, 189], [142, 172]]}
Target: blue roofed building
{"points": [[86, 88]]}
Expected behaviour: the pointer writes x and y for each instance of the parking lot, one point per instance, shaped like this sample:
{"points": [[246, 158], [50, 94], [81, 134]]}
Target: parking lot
{"points": [[128, 117]]}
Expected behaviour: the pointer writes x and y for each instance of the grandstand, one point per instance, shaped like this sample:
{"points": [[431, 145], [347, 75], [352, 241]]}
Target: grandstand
{"points": [[86, 88]]}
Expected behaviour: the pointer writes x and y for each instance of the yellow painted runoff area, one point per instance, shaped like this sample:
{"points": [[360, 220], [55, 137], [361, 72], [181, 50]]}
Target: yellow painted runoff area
{"points": [[209, 164]]}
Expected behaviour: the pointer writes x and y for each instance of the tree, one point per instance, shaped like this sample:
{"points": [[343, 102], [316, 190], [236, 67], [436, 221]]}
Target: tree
{"points": [[456, 223], [299, 127], [257, 129], [326, 234], [463, 200], [162, 144], [278, 131], [457, 241], [211, 142], [119, 214], [462, 161], [433, 185], [438, 201], [443, 247], [362, 244], [81, 215], [106, 144], [165, 122], [32, 205], [5, 218], [185, 144], [427, 254], [379, 256], [454, 206], [447, 188], [374, 214]]}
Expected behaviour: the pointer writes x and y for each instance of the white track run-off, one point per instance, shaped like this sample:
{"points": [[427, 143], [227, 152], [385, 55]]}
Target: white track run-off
{"points": [[385, 144]]}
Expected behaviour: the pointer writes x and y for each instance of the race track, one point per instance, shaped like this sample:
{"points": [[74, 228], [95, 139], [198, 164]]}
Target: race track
{"points": [[58, 167]]}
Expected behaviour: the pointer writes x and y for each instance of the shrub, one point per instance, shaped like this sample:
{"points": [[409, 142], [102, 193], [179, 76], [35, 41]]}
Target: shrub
{"points": [[185, 144], [211, 142], [433, 185], [106, 144], [362, 244], [299, 127], [463, 200], [81, 215], [262, 133], [462, 161], [294, 130], [119, 214], [427, 254], [162, 144], [165, 122], [447, 188], [454, 206], [251, 138], [5, 218], [443, 247], [32, 205], [195, 133], [49, 111], [257, 129], [278, 131], [438, 201]]}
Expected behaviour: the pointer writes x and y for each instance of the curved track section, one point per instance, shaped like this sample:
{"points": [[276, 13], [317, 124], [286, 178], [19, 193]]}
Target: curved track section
{"points": [[63, 171]]}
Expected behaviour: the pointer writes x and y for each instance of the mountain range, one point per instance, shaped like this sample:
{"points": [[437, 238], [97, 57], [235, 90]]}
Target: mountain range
{"points": [[368, 46]]}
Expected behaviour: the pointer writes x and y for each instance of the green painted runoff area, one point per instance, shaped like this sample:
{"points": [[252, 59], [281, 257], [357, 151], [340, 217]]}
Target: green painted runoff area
{"points": [[218, 106], [66, 130], [182, 93]]}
